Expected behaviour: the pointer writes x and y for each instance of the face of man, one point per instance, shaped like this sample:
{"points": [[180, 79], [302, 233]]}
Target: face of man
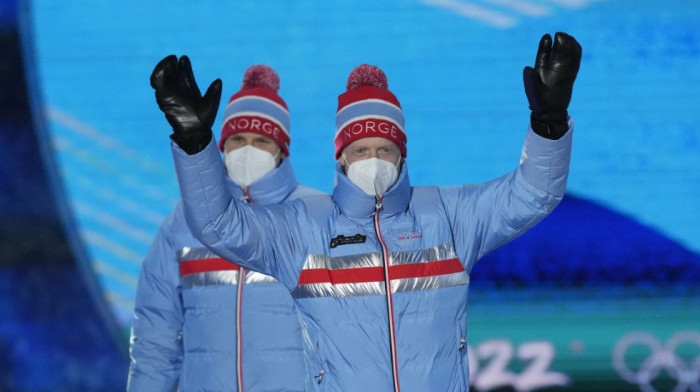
{"points": [[238, 140], [370, 147]]}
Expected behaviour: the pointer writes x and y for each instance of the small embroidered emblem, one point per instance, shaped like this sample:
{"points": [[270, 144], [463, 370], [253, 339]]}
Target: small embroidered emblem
{"points": [[343, 240]]}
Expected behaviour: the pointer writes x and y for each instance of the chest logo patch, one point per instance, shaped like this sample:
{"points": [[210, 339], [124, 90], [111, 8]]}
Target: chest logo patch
{"points": [[343, 240], [408, 235]]}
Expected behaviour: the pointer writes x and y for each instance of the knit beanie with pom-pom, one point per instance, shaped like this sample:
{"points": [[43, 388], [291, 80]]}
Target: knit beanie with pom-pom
{"points": [[257, 108], [368, 109]]}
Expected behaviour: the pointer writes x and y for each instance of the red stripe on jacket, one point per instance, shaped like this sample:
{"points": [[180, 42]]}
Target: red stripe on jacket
{"points": [[196, 266], [376, 274]]}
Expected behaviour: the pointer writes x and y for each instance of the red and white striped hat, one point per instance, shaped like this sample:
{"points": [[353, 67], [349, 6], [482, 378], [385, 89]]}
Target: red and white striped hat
{"points": [[257, 108], [368, 109]]}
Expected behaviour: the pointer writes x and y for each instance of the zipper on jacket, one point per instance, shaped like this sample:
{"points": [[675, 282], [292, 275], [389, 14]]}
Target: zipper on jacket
{"points": [[239, 340], [319, 376], [239, 313], [461, 354], [389, 299]]}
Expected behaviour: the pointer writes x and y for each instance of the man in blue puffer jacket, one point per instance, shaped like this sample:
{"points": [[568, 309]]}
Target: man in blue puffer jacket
{"points": [[202, 323], [380, 273]]}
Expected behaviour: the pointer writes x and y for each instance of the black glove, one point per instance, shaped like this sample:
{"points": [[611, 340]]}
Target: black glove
{"points": [[549, 85], [178, 96]]}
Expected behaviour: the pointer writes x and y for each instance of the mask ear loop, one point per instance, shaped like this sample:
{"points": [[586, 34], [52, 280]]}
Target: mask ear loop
{"points": [[274, 157], [346, 167]]}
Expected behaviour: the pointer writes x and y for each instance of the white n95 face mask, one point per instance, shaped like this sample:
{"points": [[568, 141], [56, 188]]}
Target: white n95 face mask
{"points": [[374, 176], [248, 164]]}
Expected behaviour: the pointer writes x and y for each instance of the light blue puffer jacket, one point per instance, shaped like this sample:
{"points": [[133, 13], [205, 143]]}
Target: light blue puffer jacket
{"points": [[185, 326], [382, 294]]}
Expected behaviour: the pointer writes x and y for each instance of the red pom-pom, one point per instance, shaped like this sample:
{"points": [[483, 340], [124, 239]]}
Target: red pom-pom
{"points": [[367, 75], [261, 76]]}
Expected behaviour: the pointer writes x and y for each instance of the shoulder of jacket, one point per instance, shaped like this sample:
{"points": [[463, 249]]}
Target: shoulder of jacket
{"points": [[421, 193], [175, 218], [318, 205], [302, 191], [174, 229]]}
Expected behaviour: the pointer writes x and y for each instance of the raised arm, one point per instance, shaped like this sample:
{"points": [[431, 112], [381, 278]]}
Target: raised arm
{"points": [[254, 237], [488, 215]]}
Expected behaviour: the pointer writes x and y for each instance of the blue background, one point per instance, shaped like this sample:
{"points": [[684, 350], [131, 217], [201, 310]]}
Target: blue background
{"points": [[90, 171]]}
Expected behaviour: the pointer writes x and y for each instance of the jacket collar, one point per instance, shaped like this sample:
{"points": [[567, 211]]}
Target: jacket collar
{"points": [[272, 188], [355, 203]]}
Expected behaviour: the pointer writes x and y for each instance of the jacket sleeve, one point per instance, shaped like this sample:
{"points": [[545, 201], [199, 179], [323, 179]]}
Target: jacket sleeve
{"points": [[156, 344], [486, 216], [267, 239]]}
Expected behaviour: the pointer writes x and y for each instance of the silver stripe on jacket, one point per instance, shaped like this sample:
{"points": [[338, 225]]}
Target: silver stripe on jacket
{"points": [[214, 278], [327, 289]]}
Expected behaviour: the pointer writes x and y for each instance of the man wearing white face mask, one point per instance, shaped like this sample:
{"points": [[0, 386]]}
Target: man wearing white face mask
{"points": [[373, 164], [380, 273], [248, 157], [202, 323]]}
